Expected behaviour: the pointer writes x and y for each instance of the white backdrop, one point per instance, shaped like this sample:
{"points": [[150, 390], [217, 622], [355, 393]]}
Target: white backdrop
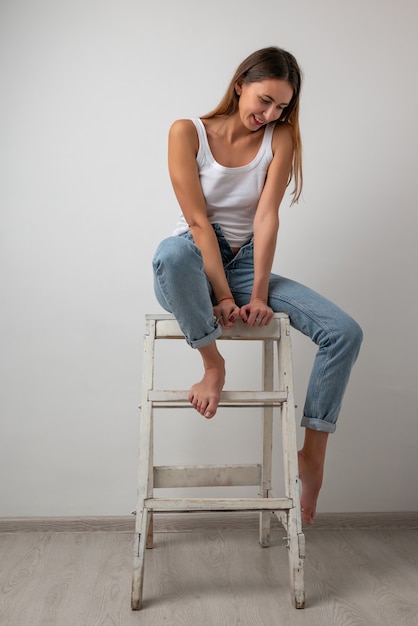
{"points": [[89, 90]]}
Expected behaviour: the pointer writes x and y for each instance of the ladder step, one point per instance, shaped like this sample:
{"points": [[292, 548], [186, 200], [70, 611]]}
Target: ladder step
{"points": [[206, 475], [228, 398], [170, 505]]}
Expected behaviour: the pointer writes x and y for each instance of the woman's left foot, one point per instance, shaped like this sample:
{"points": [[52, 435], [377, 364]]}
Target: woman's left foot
{"points": [[205, 395], [311, 475]]}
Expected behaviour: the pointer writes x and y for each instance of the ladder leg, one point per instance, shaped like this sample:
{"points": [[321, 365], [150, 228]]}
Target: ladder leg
{"points": [[150, 532], [150, 481], [265, 528], [143, 525], [296, 547], [139, 560], [295, 536], [268, 382], [145, 480]]}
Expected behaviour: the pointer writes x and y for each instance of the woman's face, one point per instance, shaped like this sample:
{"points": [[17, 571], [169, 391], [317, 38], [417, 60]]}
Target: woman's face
{"points": [[263, 102]]}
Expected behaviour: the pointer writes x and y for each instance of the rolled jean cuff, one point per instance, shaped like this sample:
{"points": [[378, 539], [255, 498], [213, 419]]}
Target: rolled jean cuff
{"points": [[207, 339], [316, 424]]}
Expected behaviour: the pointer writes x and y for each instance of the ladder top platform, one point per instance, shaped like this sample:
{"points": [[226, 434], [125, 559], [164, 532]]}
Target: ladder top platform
{"points": [[167, 327]]}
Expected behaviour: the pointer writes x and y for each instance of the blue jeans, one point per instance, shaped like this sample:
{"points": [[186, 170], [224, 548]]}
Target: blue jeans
{"points": [[182, 288]]}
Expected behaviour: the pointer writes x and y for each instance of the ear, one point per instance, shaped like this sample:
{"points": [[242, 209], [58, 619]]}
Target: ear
{"points": [[238, 87]]}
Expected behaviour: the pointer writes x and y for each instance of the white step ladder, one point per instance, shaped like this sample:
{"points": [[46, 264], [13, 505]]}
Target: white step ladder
{"points": [[277, 392]]}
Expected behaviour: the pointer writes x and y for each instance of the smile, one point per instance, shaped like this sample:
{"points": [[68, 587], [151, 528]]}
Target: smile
{"points": [[257, 121]]}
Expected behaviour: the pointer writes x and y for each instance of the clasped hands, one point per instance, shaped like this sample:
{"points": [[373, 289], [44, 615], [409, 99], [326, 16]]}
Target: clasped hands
{"points": [[255, 313]]}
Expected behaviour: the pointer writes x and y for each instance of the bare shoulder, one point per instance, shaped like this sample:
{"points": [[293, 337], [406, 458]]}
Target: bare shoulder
{"points": [[184, 130], [283, 139]]}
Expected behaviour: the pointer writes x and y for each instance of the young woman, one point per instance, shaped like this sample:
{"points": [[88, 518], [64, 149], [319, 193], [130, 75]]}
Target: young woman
{"points": [[229, 170]]}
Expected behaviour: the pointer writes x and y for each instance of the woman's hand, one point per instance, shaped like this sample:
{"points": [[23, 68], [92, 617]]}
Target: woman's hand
{"points": [[226, 312], [256, 313]]}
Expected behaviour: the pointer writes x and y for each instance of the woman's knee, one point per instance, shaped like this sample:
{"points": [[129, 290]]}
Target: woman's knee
{"points": [[165, 252], [174, 253], [351, 335]]}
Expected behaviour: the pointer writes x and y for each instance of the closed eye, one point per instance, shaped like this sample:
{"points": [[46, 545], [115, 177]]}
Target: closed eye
{"points": [[280, 107]]}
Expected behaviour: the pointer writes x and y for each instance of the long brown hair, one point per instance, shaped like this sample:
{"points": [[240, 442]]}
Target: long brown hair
{"points": [[271, 62]]}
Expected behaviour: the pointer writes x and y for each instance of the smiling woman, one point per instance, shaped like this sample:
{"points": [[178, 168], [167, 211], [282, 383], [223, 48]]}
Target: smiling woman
{"points": [[229, 170]]}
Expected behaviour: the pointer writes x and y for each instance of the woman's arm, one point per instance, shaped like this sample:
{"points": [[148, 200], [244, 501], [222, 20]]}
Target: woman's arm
{"points": [[183, 145], [266, 224]]}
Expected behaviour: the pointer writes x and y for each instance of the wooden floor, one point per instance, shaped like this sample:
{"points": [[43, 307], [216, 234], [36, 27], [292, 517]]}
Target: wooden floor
{"points": [[209, 571]]}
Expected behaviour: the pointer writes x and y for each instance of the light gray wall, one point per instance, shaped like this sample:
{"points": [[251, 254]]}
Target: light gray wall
{"points": [[89, 89]]}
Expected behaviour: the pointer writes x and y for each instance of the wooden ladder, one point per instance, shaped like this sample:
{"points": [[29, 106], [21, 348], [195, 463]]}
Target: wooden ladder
{"points": [[286, 508]]}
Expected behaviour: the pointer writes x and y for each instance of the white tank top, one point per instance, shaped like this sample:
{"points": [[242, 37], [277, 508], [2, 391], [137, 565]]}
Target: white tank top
{"points": [[231, 193]]}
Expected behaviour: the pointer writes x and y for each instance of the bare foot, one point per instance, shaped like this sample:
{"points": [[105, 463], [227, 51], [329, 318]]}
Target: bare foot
{"points": [[311, 474], [205, 395]]}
